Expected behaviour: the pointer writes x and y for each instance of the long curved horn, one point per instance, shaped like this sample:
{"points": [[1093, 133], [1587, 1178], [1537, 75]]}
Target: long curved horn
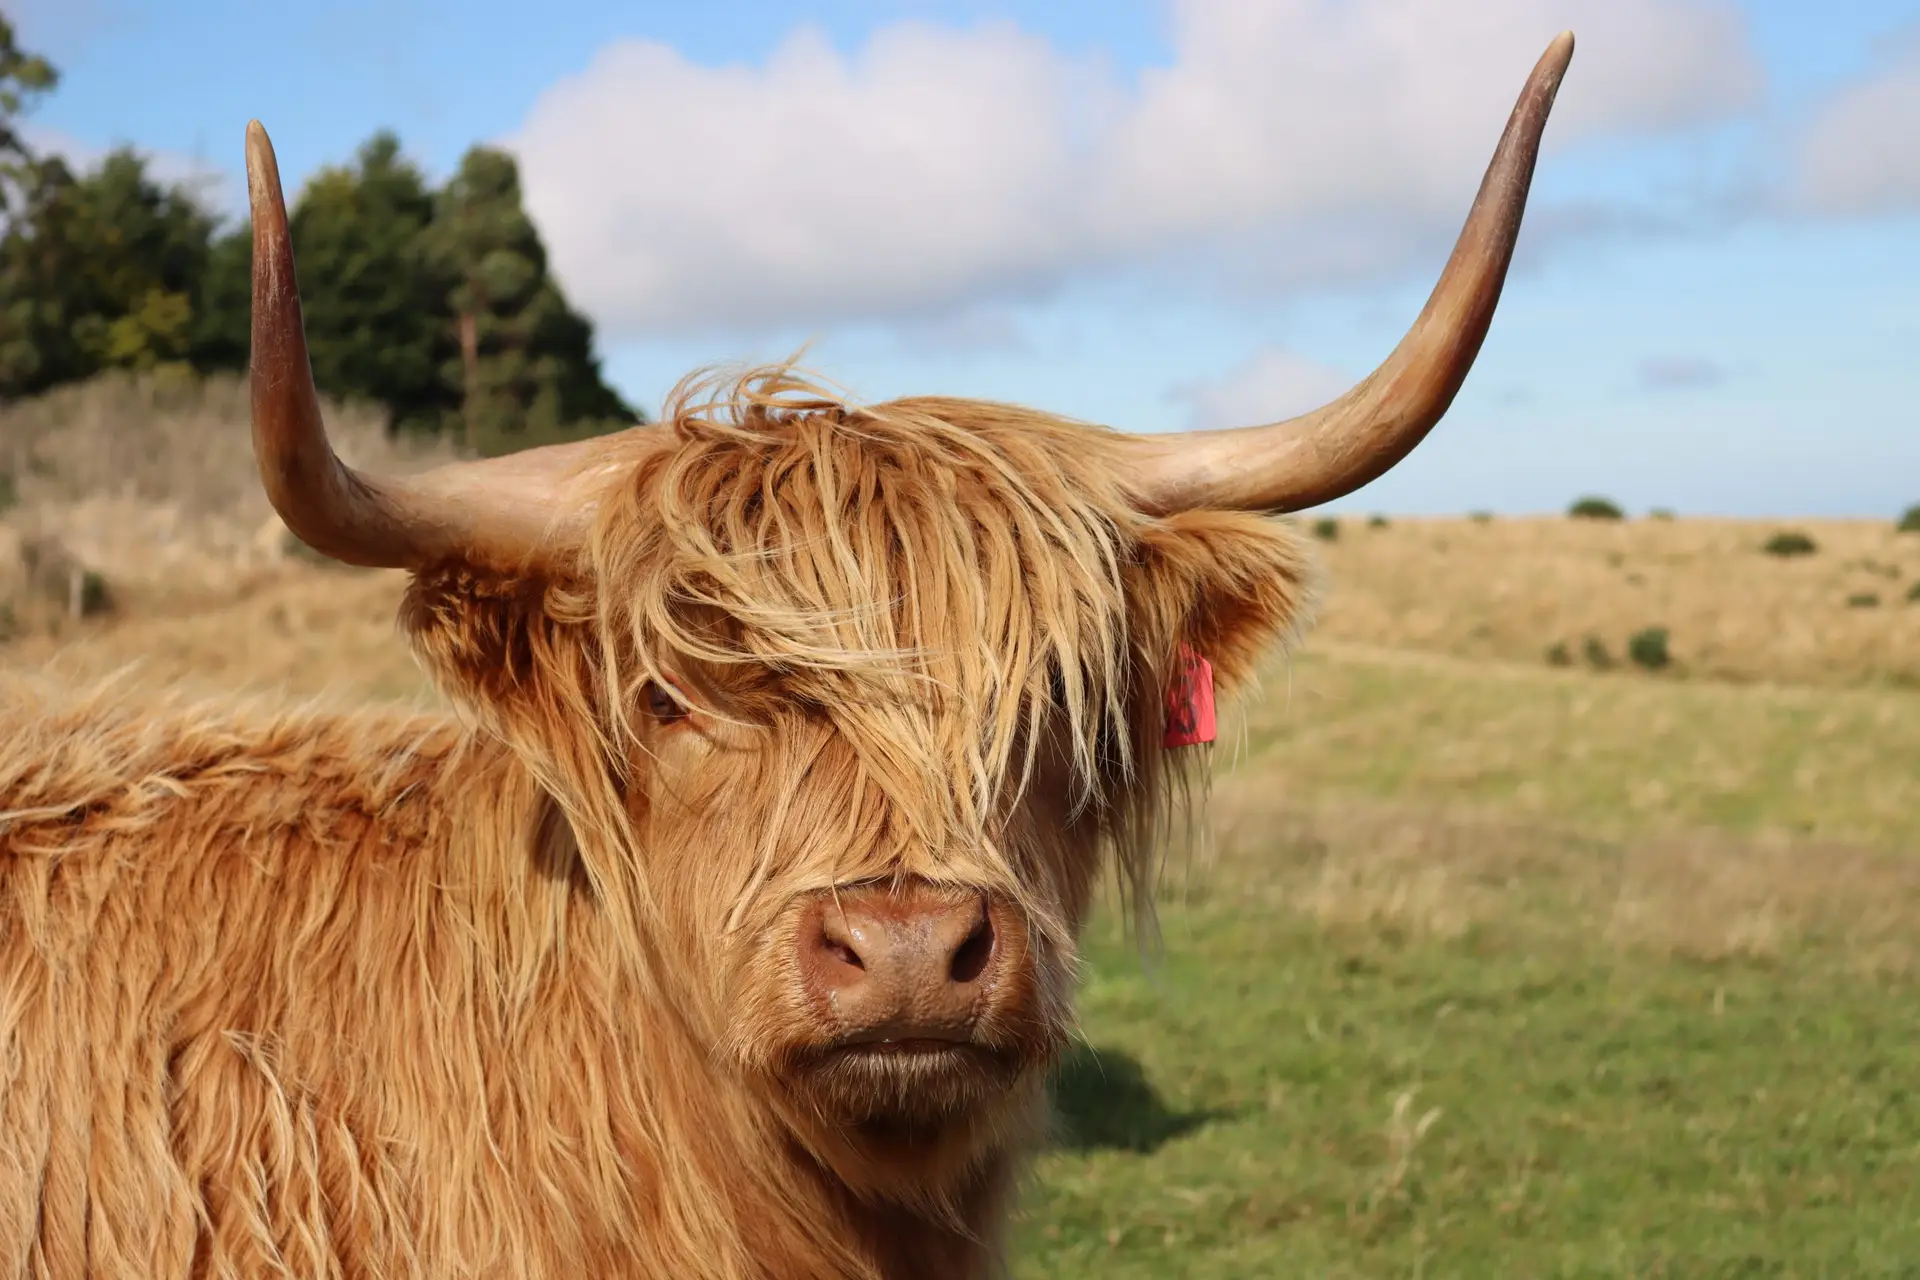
{"points": [[527, 510], [1330, 452]]}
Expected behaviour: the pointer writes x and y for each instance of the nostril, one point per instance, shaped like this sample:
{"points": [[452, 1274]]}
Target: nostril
{"points": [[970, 959], [843, 953], [831, 951]]}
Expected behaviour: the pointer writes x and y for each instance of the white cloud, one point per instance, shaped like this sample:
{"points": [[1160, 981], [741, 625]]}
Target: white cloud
{"points": [[937, 167], [1269, 385], [1861, 151], [1286, 110], [932, 164]]}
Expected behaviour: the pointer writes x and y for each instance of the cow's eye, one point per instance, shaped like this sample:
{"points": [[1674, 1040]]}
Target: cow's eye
{"points": [[661, 704]]}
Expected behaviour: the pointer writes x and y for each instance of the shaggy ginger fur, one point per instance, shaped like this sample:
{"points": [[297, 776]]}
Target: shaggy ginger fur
{"points": [[321, 994]]}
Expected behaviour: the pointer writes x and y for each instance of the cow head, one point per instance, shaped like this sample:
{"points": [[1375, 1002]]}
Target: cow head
{"points": [[841, 711]]}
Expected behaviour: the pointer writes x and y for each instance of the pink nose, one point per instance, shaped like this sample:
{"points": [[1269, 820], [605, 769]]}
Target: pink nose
{"points": [[900, 963]]}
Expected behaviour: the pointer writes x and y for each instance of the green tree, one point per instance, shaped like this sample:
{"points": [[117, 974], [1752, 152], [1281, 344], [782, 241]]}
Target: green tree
{"points": [[97, 272], [373, 297], [146, 253], [23, 78], [223, 303], [37, 348], [524, 363], [115, 270]]}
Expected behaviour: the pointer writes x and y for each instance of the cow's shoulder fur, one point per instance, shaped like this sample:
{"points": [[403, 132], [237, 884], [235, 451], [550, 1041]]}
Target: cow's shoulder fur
{"points": [[226, 934], [75, 754]]}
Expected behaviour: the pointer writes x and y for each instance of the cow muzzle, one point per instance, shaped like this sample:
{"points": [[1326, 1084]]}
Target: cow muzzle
{"points": [[923, 995], [904, 968]]}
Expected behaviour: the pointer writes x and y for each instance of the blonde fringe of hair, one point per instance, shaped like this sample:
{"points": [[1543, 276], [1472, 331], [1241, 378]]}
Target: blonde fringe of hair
{"points": [[937, 577]]}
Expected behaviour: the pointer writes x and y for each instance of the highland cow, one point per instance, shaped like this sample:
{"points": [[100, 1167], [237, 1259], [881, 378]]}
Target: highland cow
{"points": [[731, 929]]}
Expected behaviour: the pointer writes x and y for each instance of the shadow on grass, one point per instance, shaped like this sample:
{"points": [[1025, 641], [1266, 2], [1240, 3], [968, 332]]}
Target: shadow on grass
{"points": [[1102, 1099]]}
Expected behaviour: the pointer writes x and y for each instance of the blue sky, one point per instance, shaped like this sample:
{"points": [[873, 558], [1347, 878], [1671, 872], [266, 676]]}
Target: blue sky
{"points": [[1158, 213]]}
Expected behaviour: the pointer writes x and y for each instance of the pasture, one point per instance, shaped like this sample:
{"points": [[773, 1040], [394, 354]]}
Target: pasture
{"points": [[1489, 964]]}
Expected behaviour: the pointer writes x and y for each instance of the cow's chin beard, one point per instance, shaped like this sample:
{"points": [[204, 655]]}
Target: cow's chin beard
{"points": [[907, 1089], [925, 1111]]}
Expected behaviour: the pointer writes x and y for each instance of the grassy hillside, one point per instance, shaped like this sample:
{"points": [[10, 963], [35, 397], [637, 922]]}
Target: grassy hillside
{"points": [[1847, 613], [1490, 966], [1497, 970], [1285, 1095]]}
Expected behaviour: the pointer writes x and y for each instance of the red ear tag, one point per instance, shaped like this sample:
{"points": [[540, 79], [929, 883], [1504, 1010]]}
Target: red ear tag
{"points": [[1190, 719]]}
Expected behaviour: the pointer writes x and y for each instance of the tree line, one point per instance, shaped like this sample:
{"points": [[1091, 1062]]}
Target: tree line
{"points": [[435, 303]]}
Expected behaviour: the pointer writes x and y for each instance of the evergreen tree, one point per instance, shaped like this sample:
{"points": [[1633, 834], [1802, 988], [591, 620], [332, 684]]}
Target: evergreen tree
{"points": [[23, 77], [145, 254], [437, 305], [374, 299], [98, 273], [37, 306], [223, 304], [524, 363]]}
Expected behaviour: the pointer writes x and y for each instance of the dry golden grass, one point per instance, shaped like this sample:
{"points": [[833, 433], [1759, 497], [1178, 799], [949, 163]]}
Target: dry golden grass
{"points": [[1511, 588], [1412, 869], [152, 483], [149, 482], [1611, 755], [181, 442], [296, 629]]}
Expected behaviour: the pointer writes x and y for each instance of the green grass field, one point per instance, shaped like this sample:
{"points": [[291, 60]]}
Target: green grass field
{"points": [[1568, 1110], [1462, 992]]}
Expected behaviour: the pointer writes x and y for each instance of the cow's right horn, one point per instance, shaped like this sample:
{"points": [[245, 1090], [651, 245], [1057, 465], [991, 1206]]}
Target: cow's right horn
{"points": [[1330, 452], [525, 511]]}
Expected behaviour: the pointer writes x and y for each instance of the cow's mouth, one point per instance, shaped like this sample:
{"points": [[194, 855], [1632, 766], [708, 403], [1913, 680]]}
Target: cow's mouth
{"points": [[914, 1080], [911, 1055], [909, 1046]]}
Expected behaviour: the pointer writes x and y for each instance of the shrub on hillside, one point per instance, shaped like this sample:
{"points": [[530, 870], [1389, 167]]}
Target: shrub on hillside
{"points": [[1648, 649], [1558, 655], [1910, 522], [89, 596], [1913, 593], [1788, 543], [1863, 600], [1597, 656], [1596, 508], [1660, 513], [1327, 529], [1376, 521]]}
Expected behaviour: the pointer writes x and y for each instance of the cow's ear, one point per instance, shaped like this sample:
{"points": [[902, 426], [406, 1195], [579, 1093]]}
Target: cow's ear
{"points": [[501, 648], [1233, 586]]}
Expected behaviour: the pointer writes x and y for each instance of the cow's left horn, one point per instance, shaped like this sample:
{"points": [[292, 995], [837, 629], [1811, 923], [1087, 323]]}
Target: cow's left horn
{"points": [[1330, 452], [528, 510]]}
